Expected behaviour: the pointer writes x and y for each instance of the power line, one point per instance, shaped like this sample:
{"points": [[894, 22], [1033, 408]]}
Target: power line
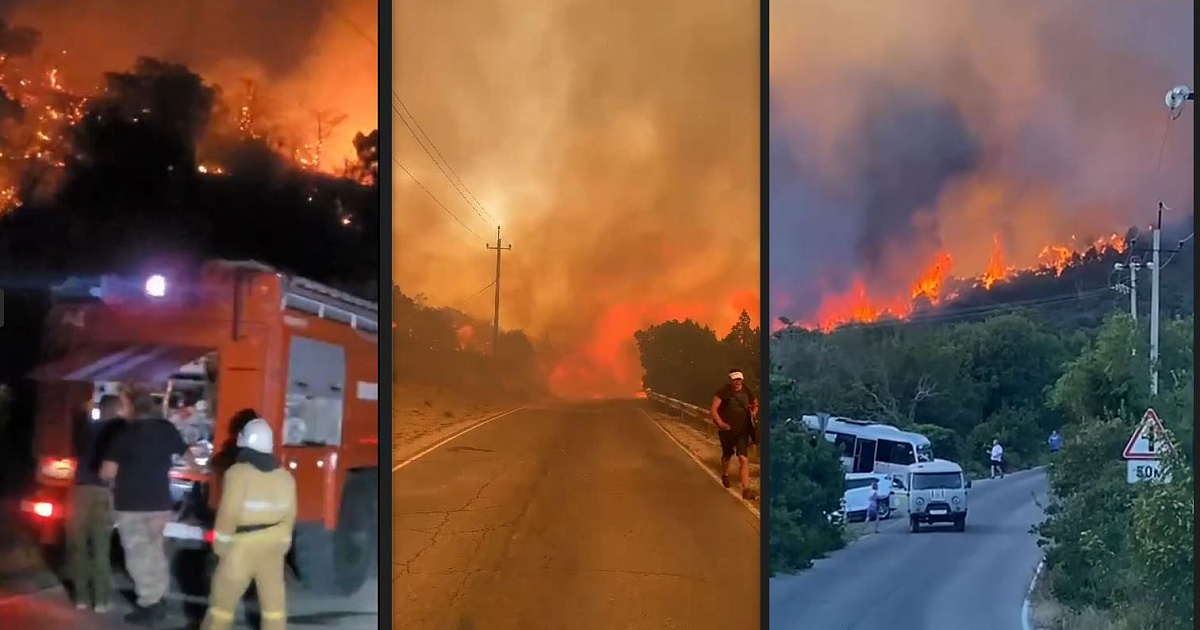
{"points": [[334, 9], [435, 199], [439, 153], [451, 175], [473, 295]]}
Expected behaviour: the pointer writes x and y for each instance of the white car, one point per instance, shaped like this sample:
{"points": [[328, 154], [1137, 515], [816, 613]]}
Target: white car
{"points": [[858, 495]]}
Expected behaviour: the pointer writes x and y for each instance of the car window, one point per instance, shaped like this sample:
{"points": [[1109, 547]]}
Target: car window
{"points": [[852, 484], [924, 453], [937, 481]]}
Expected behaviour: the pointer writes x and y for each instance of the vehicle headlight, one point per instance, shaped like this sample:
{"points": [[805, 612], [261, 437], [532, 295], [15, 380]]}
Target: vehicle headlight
{"points": [[955, 500], [920, 501]]}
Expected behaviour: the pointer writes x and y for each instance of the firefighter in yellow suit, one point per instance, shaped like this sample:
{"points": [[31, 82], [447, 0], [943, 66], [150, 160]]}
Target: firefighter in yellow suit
{"points": [[253, 532]]}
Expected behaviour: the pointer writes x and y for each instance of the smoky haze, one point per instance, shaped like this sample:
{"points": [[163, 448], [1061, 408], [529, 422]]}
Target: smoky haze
{"points": [[617, 145], [899, 130], [303, 58]]}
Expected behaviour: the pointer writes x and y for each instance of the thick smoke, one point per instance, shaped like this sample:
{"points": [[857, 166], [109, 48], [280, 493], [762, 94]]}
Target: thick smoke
{"points": [[898, 129], [304, 59], [617, 144]]}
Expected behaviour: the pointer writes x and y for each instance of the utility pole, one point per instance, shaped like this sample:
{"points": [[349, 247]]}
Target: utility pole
{"points": [[1154, 277], [1133, 269], [496, 321]]}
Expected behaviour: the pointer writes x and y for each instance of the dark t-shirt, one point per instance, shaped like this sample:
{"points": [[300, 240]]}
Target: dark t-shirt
{"points": [[92, 442], [143, 452], [735, 407]]}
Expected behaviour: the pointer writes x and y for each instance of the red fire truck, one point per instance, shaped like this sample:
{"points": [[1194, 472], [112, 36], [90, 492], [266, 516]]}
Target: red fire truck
{"points": [[234, 341]]}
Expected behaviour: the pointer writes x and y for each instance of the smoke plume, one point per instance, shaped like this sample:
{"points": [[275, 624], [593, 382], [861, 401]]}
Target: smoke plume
{"points": [[905, 131], [617, 145]]}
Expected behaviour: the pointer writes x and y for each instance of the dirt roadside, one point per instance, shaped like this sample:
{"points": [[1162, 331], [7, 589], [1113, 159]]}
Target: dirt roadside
{"points": [[701, 441]]}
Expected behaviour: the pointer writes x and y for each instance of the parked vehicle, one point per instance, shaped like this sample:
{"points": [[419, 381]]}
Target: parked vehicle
{"points": [[869, 447], [937, 493], [857, 498], [240, 336]]}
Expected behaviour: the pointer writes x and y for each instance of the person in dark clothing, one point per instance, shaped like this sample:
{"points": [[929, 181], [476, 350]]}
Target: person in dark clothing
{"points": [[733, 412], [140, 464], [90, 524]]}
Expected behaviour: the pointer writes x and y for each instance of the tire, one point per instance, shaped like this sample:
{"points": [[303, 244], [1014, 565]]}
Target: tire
{"points": [[884, 510], [338, 562], [913, 525], [960, 525]]}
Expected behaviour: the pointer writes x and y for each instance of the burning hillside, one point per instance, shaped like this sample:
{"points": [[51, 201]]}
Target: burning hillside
{"points": [[302, 89], [617, 145], [955, 146], [938, 284]]}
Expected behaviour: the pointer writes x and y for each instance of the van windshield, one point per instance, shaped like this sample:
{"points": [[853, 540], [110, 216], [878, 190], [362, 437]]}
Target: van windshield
{"points": [[937, 481]]}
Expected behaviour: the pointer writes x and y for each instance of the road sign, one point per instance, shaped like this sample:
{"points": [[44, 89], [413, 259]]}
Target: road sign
{"points": [[1149, 440], [1137, 470]]}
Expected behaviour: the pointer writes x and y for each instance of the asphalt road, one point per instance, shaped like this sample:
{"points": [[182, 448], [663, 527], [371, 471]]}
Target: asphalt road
{"points": [[581, 516], [932, 580], [51, 610]]}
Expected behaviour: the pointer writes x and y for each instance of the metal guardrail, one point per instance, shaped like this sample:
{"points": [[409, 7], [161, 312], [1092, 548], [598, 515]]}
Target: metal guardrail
{"points": [[684, 409]]}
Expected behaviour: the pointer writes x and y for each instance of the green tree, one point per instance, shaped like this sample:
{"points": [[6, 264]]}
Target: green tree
{"points": [[806, 481]]}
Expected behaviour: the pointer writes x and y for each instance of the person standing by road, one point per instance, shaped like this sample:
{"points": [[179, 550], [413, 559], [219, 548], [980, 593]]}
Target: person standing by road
{"points": [[732, 412], [997, 457], [90, 525], [1055, 442], [253, 531], [873, 505], [139, 463]]}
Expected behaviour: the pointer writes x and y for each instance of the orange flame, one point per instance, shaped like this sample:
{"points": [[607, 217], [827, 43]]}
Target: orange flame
{"points": [[930, 285], [855, 305], [466, 333]]}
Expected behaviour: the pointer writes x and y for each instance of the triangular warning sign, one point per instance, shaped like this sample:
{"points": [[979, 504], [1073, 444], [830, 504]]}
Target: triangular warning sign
{"points": [[1150, 439]]}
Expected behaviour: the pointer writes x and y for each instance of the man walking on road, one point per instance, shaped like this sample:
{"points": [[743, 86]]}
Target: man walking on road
{"points": [[89, 528], [732, 412], [140, 464], [997, 456], [1055, 441]]}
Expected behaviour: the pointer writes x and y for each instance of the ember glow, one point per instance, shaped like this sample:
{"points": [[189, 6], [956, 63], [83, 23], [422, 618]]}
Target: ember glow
{"points": [[616, 144], [923, 148]]}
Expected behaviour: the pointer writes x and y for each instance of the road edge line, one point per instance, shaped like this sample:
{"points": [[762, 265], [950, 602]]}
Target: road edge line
{"points": [[1027, 606], [746, 504], [453, 437]]}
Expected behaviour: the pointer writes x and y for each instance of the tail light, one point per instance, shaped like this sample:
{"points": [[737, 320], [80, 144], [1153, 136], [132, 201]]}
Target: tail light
{"points": [[210, 535], [41, 509], [57, 468]]}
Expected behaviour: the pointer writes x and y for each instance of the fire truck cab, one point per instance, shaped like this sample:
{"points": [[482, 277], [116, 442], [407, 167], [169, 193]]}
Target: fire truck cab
{"points": [[235, 341]]}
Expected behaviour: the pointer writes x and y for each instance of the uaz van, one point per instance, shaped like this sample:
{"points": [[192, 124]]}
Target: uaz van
{"points": [[937, 493]]}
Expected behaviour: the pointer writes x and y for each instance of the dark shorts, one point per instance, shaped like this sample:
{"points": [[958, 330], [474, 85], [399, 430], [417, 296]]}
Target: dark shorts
{"points": [[734, 442]]}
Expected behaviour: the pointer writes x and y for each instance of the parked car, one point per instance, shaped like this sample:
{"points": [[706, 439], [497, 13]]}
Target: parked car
{"points": [[858, 495]]}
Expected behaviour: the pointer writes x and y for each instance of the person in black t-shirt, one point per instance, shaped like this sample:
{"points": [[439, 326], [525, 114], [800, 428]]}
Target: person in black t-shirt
{"points": [[139, 463], [733, 409]]}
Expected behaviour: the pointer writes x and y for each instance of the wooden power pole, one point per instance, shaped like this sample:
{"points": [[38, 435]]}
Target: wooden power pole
{"points": [[499, 247]]}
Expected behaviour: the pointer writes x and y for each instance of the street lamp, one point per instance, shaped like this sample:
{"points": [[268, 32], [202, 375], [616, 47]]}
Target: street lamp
{"points": [[1176, 97]]}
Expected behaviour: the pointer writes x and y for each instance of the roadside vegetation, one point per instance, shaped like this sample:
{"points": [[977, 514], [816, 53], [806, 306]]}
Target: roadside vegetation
{"points": [[688, 362], [1113, 551]]}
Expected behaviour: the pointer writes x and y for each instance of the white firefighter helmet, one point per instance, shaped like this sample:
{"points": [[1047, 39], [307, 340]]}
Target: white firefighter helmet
{"points": [[256, 435]]}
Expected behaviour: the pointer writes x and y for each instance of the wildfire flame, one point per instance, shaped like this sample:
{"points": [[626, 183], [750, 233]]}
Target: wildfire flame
{"points": [[855, 305]]}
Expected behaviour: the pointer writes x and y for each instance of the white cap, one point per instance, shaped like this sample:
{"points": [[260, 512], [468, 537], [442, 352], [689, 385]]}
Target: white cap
{"points": [[256, 435], [736, 376]]}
